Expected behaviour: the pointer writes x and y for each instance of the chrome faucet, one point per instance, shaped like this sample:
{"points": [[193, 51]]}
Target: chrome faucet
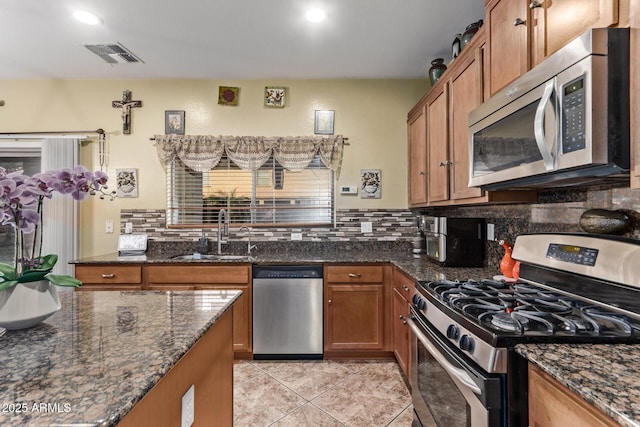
{"points": [[223, 220], [249, 245]]}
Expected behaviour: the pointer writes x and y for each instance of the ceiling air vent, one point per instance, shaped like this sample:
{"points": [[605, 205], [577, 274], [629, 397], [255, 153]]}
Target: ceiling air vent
{"points": [[113, 53]]}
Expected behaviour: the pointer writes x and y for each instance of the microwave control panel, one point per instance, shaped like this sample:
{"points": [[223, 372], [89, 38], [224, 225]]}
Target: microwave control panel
{"points": [[573, 113]]}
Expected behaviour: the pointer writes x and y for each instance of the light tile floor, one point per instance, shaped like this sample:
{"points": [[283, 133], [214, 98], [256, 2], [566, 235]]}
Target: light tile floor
{"points": [[320, 393]]}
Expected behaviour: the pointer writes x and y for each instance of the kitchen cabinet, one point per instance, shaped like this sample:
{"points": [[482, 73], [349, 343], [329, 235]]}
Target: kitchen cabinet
{"points": [[218, 277], [109, 277], [356, 306], [555, 23], [403, 287], [551, 404], [507, 42], [417, 138]]}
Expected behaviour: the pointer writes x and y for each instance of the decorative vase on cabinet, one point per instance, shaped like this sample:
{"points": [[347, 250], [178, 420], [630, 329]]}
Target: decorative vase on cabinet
{"points": [[469, 32], [28, 304], [436, 69]]}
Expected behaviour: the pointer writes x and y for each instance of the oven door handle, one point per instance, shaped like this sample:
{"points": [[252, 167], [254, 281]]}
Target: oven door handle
{"points": [[458, 373]]}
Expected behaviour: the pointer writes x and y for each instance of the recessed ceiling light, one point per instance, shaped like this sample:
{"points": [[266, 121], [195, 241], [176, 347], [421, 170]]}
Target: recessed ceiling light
{"points": [[86, 17], [316, 15]]}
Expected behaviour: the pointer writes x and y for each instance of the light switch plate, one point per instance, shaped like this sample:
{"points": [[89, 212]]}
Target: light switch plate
{"points": [[296, 236], [366, 227], [491, 232], [188, 413]]}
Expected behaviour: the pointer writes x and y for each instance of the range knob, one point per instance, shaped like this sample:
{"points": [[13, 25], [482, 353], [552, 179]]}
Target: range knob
{"points": [[466, 343], [422, 304], [453, 332], [415, 299]]}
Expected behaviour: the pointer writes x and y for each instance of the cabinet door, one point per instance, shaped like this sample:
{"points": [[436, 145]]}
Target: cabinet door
{"points": [[555, 23], [551, 404], [401, 332], [466, 95], [354, 317], [437, 145], [418, 159], [242, 316], [507, 42]]}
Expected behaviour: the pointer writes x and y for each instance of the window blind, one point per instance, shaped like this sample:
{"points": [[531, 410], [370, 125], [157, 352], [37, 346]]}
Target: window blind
{"points": [[270, 195]]}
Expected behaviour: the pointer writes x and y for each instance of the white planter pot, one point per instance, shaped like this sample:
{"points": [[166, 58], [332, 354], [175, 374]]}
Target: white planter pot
{"points": [[28, 304]]}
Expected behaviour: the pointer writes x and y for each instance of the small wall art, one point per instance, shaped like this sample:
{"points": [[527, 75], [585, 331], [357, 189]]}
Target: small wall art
{"points": [[323, 124], [127, 181], [274, 97], [228, 95], [370, 183], [174, 122]]}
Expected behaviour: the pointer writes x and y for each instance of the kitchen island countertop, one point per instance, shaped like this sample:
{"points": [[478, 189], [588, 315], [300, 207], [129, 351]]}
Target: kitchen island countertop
{"points": [[605, 375], [93, 360]]}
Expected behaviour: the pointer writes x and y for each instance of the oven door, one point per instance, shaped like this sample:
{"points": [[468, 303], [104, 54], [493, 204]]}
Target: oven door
{"points": [[448, 389]]}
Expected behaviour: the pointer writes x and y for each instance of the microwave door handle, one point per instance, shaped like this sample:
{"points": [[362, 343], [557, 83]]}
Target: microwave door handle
{"points": [[538, 126], [460, 374]]}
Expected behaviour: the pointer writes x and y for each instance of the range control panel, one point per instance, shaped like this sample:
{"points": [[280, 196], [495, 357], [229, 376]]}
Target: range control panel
{"points": [[572, 254]]}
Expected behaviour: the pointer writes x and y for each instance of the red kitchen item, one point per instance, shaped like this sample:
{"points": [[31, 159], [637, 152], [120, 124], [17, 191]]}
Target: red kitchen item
{"points": [[507, 263]]}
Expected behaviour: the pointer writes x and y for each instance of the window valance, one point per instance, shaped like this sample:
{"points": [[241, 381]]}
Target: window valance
{"points": [[203, 152]]}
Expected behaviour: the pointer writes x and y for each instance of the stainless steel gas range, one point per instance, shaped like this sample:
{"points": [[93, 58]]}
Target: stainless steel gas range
{"points": [[573, 288]]}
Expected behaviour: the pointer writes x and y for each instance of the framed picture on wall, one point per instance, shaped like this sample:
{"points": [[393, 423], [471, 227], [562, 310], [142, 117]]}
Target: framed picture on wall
{"points": [[323, 124], [274, 96], [370, 183], [127, 182], [174, 122]]}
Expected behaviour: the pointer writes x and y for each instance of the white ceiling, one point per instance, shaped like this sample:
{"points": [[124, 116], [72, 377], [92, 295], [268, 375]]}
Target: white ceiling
{"points": [[231, 39]]}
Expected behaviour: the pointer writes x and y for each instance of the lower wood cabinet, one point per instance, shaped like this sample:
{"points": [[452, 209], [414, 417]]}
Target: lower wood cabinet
{"points": [[551, 404], [109, 277], [403, 287], [357, 309]]}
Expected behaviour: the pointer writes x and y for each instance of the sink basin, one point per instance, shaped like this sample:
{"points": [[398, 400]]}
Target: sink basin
{"points": [[196, 256]]}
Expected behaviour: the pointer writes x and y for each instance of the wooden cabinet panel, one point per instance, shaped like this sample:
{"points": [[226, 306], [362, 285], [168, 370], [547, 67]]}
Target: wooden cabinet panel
{"points": [[401, 332], [349, 274], [404, 284], [555, 23], [418, 158], [354, 317], [109, 274], [242, 316], [205, 274], [551, 404], [465, 95], [507, 42], [438, 145]]}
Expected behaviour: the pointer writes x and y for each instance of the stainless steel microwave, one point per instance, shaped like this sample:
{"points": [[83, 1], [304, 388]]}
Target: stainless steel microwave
{"points": [[564, 122]]}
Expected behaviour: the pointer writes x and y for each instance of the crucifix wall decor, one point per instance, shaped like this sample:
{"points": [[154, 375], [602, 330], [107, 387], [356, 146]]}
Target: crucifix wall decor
{"points": [[126, 105]]}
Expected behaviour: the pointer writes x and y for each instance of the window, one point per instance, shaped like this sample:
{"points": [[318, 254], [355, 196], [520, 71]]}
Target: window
{"points": [[268, 196]]}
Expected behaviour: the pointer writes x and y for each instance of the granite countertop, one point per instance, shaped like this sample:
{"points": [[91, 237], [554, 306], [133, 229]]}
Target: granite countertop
{"points": [[101, 353], [605, 375]]}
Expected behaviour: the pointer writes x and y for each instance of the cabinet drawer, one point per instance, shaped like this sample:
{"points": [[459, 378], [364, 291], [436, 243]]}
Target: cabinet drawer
{"points": [[354, 274], [109, 274], [404, 284], [198, 274]]}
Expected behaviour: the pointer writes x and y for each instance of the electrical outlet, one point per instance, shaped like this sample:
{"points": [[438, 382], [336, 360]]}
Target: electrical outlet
{"points": [[108, 227], [188, 413], [366, 227], [128, 227], [296, 236], [491, 232]]}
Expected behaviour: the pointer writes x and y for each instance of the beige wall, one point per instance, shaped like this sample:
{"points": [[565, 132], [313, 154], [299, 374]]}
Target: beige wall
{"points": [[371, 113]]}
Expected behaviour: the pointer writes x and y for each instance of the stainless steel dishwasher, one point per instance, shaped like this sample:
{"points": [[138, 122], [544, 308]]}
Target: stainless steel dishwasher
{"points": [[287, 312]]}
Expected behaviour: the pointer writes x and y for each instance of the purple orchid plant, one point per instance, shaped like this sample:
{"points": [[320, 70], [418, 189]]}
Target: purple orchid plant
{"points": [[21, 206]]}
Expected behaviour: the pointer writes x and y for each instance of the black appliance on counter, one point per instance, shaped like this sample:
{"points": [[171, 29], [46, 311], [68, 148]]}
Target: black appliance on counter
{"points": [[454, 242], [573, 288]]}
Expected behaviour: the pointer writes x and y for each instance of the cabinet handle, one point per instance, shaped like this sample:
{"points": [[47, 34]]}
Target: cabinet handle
{"points": [[446, 163], [355, 275], [535, 4], [519, 21], [401, 317], [108, 276], [405, 287], [329, 302], [422, 173]]}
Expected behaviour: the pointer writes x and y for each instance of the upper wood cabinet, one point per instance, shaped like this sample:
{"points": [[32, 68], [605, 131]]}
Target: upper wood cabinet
{"points": [[417, 138], [507, 38], [555, 23], [438, 144]]}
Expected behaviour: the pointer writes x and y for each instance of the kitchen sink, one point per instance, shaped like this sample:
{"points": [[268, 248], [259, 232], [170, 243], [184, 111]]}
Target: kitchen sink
{"points": [[196, 256]]}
